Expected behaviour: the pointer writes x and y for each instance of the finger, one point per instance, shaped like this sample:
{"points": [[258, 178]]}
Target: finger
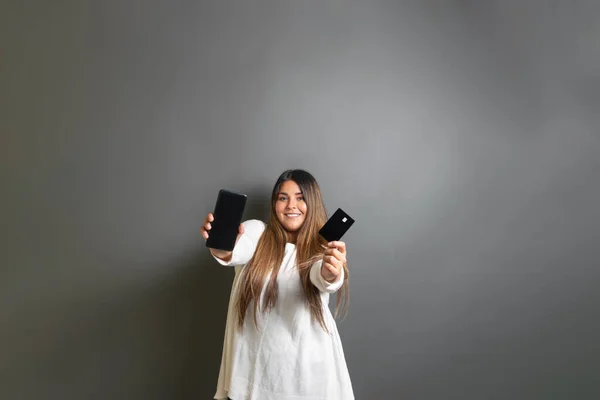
{"points": [[329, 259], [332, 262], [341, 246], [330, 268], [241, 230], [335, 253], [342, 258], [337, 264], [208, 226], [211, 217]]}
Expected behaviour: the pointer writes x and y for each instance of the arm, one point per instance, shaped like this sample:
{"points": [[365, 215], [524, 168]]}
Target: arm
{"points": [[246, 245]]}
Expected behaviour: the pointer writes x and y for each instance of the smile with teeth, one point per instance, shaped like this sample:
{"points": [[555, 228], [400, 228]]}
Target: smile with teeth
{"points": [[294, 215]]}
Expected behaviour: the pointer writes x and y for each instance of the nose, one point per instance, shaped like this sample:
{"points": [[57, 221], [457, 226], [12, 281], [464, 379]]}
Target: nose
{"points": [[291, 203]]}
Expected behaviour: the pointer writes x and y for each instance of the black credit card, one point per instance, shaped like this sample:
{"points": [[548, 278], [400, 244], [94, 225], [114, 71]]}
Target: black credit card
{"points": [[336, 226], [227, 219]]}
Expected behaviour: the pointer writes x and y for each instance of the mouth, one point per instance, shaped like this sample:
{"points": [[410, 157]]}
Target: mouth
{"points": [[292, 215]]}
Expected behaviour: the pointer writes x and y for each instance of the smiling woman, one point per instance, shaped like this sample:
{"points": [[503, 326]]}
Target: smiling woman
{"points": [[290, 348]]}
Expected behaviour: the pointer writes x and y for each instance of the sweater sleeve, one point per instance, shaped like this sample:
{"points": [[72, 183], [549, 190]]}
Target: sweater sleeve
{"points": [[321, 283], [246, 246]]}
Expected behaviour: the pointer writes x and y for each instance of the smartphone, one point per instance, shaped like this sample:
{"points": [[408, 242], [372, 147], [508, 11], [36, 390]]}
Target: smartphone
{"points": [[336, 226], [228, 213]]}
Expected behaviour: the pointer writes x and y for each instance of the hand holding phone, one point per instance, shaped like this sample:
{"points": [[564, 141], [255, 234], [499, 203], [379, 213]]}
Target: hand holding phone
{"points": [[225, 225], [205, 231]]}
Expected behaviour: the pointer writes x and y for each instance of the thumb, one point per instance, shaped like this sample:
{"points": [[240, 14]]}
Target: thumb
{"points": [[240, 232]]}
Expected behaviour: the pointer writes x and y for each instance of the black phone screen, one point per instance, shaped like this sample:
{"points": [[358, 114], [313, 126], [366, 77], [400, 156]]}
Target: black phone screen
{"points": [[228, 214]]}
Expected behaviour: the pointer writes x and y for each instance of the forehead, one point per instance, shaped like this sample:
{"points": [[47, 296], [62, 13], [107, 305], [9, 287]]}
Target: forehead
{"points": [[290, 187]]}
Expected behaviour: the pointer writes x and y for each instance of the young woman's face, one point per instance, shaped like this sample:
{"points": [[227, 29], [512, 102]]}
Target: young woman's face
{"points": [[290, 206]]}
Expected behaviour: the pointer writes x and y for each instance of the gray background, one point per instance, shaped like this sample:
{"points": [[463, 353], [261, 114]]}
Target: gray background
{"points": [[461, 135]]}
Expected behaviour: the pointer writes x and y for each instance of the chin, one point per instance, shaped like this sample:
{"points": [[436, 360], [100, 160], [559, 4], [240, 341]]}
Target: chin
{"points": [[293, 228]]}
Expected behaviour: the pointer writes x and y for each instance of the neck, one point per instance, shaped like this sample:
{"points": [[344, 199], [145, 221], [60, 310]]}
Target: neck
{"points": [[292, 237]]}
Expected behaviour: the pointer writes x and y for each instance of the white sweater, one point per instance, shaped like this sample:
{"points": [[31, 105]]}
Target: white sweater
{"points": [[289, 357]]}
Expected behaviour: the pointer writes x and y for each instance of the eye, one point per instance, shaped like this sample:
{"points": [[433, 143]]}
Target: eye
{"points": [[281, 198], [301, 198]]}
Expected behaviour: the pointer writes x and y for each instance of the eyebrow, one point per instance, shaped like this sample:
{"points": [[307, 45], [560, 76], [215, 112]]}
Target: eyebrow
{"points": [[284, 193]]}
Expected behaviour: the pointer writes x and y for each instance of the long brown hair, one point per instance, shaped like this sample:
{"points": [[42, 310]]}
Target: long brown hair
{"points": [[270, 250]]}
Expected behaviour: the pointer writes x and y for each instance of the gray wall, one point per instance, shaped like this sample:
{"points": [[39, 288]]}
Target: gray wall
{"points": [[463, 136]]}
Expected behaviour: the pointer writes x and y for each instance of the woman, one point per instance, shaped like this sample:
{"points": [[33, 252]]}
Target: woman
{"points": [[281, 341]]}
